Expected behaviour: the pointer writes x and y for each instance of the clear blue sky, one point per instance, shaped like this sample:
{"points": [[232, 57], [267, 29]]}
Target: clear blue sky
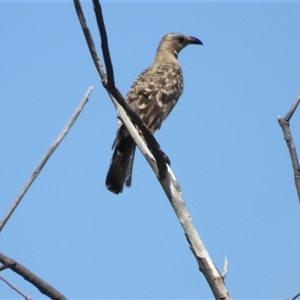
{"points": [[223, 139]]}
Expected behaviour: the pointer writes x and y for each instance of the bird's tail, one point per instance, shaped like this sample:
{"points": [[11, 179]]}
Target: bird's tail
{"points": [[120, 169]]}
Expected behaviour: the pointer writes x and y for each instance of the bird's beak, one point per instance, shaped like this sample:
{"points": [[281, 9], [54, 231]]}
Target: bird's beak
{"points": [[193, 40]]}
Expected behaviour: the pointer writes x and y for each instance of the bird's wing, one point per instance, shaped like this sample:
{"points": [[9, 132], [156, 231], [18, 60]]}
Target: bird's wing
{"points": [[155, 92]]}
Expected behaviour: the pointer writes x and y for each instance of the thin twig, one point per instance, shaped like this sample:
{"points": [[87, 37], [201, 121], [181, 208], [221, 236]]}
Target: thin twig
{"points": [[46, 157], [104, 45], [89, 40], [293, 109], [15, 288], [296, 296], [285, 125], [225, 270], [40, 284], [2, 268]]}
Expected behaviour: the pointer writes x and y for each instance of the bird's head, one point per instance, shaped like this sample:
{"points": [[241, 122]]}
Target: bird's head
{"points": [[175, 42]]}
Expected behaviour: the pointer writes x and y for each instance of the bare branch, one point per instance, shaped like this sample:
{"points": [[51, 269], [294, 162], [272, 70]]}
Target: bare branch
{"points": [[104, 45], [89, 40], [40, 284], [285, 125], [2, 268], [46, 157], [173, 192], [168, 180], [296, 296], [113, 92], [15, 288], [293, 109], [225, 270], [160, 157]]}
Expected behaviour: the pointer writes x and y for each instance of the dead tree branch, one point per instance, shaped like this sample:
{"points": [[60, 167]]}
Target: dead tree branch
{"points": [[168, 181], [2, 268], [296, 296], [225, 270], [40, 284], [173, 192], [108, 83], [46, 157], [15, 288], [285, 125]]}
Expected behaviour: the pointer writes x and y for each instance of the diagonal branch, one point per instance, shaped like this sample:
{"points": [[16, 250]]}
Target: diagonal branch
{"points": [[104, 45], [45, 158], [225, 270], [108, 83], [40, 284], [293, 109], [173, 192], [111, 89], [2, 268], [15, 288], [285, 125], [168, 181], [89, 40], [296, 296]]}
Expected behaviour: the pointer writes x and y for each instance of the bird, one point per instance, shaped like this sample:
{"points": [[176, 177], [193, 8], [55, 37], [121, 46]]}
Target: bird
{"points": [[152, 96]]}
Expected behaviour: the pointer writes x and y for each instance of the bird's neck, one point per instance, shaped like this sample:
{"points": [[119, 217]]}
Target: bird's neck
{"points": [[165, 55]]}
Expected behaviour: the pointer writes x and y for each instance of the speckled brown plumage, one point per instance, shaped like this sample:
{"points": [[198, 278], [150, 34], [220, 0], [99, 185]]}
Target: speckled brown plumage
{"points": [[152, 95]]}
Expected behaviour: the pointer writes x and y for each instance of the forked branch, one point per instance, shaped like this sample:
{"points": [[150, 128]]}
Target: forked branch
{"points": [[285, 125], [109, 85], [168, 181]]}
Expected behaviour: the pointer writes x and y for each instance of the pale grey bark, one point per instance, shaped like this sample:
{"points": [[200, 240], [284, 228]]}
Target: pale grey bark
{"points": [[45, 158], [15, 288], [285, 125], [161, 169]]}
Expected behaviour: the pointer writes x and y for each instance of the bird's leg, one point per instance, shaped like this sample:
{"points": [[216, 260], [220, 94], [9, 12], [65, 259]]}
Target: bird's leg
{"points": [[165, 156]]}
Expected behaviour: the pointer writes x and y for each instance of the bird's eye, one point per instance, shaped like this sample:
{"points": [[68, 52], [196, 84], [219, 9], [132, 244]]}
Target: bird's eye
{"points": [[181, 39]]}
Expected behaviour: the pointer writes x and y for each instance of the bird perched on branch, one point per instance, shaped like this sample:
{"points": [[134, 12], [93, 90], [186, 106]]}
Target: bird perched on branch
{"points": [[153, 95]]}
